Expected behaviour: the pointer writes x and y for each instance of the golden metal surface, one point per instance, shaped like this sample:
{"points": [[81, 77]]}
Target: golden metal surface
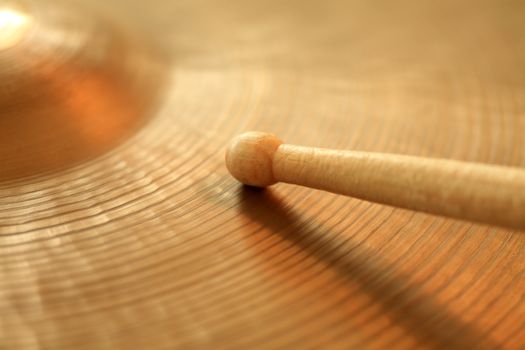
{"points": [[72, 85], [152, 245]]}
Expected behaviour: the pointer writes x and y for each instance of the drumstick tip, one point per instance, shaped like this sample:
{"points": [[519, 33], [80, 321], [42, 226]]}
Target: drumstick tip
{"points": [[249, 158]]}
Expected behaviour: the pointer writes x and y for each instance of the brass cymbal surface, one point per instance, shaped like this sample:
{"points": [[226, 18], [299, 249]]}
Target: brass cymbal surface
{"points": [[120, 227], [72, 86]]}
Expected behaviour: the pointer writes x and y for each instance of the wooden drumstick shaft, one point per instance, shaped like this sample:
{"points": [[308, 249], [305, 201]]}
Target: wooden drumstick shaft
{"points": [[472, 191], [490, 194]]}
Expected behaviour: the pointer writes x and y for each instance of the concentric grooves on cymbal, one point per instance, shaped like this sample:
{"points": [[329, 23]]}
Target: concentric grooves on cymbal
{"points": [[153, 245]]}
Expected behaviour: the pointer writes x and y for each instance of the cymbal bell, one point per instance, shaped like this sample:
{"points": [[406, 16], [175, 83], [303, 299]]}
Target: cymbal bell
{"points": [[71, 86]]}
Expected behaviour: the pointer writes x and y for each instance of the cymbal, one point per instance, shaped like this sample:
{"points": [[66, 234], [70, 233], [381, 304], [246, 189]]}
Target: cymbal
{"points": [[72, 86], [120, 227]]}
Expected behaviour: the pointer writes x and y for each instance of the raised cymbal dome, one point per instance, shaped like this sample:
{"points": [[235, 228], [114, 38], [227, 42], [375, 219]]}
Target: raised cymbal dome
{"points": [[72, 85]]}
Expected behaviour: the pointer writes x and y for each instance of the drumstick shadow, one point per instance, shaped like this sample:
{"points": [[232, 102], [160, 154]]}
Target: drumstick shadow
{"points": [[407, 304]]}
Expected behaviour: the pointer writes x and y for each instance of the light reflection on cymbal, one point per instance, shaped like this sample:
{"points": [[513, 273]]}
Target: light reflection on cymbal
{"points": [[14, 24], [71, 87]]}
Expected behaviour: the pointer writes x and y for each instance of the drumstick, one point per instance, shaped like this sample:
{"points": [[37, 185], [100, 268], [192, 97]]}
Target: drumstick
{"points": [[485, 193]]}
